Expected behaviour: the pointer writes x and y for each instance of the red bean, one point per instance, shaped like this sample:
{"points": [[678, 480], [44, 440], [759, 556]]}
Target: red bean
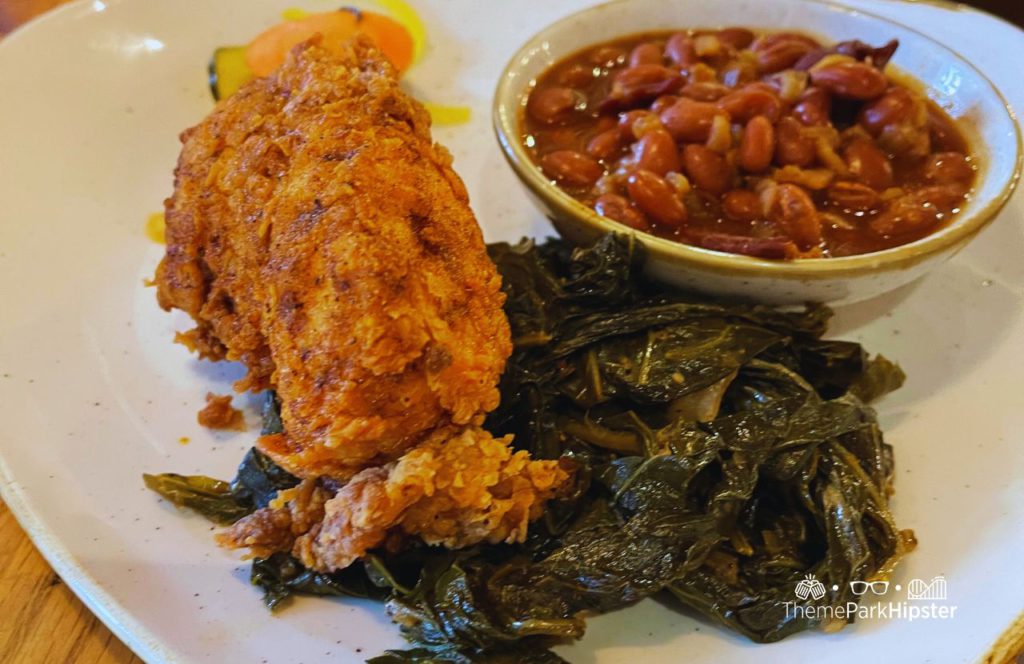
{"points": [[782, 50], [792, 146], [688, 120], [868, 164], [656, 152], [571, 168], [813, 107], [704, 91], [656, 198], [895, 107], [741, 205], [707, 169], [647, 53], [794, 210], [851, 80], [553, 105], [679, 50], [946, 167], [618, 208], [662, 103], [757, 145], [738, 38], [750, 101], [605, 144], [634, 85]]}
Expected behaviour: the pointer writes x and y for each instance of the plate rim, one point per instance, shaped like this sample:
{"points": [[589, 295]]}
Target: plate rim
{"points": [[111, 612], [143, 643]]}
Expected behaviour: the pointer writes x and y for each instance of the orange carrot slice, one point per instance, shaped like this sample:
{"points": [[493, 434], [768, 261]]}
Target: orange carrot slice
{"points": [[391, 37], [401, 11], [266, 53]]}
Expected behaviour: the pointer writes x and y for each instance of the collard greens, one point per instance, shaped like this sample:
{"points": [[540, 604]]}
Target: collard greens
{"points": [[724, 452]]}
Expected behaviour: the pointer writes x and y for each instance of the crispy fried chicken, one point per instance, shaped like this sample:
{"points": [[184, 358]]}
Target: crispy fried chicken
{"points": [[455, 489], [317, 235]]}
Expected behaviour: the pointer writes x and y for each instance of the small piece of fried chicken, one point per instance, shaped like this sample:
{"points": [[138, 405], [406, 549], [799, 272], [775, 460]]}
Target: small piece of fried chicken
{"points": [[218, 413], [455, 489], [318, 235]]}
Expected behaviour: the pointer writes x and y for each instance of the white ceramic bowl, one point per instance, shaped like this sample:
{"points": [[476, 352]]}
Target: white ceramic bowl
{"points": [[947, 78]]}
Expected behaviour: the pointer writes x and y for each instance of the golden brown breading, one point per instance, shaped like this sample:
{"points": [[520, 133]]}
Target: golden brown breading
{"points": [[292, 514], [319, 236], [456, 489]]}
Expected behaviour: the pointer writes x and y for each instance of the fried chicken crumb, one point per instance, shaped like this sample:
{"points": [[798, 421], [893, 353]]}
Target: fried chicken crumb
{"points": [[218, 413]]}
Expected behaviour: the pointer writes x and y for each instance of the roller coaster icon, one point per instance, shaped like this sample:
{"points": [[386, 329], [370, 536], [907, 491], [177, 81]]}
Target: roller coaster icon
{"points": [[919, 589]]}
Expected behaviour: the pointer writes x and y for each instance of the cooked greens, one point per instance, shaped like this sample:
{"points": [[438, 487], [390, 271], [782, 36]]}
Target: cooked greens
{"points": [[212, 498], [281, 575], [724, 452]]}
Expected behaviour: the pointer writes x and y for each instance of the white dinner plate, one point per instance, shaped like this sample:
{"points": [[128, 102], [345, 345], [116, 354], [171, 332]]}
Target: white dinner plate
{"points": [[93, 392]]}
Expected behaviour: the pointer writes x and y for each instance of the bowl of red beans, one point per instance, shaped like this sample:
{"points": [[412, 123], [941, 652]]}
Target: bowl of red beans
{"points": [[785, 152]]}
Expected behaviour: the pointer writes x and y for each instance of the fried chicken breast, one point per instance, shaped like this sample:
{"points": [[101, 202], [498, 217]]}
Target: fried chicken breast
{"points": [[317, 235]]}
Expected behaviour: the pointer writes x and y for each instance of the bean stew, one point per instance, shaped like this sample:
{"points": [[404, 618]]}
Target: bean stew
{"points": [[772, 145]]}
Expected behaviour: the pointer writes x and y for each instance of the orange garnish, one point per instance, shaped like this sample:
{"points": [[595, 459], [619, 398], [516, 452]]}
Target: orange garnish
{"points": [[266, 53]]}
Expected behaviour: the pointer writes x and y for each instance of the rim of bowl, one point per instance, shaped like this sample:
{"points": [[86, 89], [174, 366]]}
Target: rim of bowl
{"points": [[961, 230]]}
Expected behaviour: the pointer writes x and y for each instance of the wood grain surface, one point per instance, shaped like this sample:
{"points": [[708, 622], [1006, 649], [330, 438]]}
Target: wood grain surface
{"points": [[42, 620]]}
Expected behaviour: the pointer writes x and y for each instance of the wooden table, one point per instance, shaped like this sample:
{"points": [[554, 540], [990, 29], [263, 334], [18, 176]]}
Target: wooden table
{"points": [[42, 620]]}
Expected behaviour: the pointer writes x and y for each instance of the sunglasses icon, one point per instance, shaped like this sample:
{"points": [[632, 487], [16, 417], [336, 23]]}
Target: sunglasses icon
{"points": [[877, 587]]}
